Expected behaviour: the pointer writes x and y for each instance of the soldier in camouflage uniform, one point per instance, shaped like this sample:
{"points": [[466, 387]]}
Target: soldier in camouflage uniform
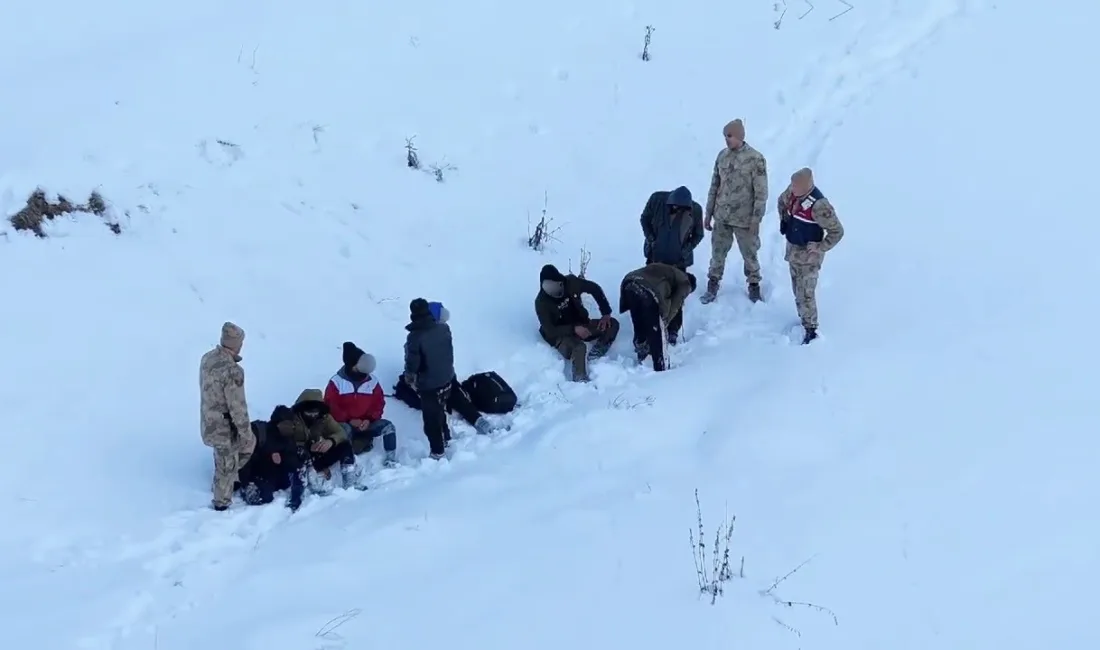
{"points": [[736, 204], [810, 224], [224, 411]]}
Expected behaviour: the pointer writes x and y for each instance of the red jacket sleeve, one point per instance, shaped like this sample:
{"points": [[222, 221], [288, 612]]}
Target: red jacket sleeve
{"points": [[332, 399], [378, 403]]}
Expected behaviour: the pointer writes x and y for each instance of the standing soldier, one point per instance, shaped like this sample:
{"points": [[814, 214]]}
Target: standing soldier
{"points": [[225, 424], [736, 204], [810, 224]]}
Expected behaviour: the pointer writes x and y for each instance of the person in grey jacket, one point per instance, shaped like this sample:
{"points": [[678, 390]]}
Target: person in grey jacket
{"points": [[672, 224], [430, 371]]}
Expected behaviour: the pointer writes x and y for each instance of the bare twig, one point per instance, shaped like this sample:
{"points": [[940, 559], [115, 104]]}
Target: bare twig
{"points": [[622, 402], [545, 230], [649, 29], [850, 7], [328, 630], [412, 159], [712, 573]]}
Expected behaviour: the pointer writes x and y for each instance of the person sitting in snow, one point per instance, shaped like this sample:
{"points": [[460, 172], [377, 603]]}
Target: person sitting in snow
{"points": [[355, 399], [319, 439], [275, 465], [430, 371], [654, 295], [564, 322], [457, 399]]}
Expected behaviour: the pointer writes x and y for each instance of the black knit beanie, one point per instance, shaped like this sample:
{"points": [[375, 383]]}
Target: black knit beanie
{"points": [[351, 354], [551, 272]]}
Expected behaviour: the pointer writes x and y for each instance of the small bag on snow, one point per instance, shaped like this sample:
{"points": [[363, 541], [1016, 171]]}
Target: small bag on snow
{"points": [[489, 393]]}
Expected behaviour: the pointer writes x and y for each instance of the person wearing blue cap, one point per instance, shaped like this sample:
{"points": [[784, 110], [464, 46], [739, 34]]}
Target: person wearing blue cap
{"points": [[430, 369]]}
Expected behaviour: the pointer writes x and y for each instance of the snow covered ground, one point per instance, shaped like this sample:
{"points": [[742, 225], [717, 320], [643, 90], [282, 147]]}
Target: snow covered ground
{"points": [[929, 455]]}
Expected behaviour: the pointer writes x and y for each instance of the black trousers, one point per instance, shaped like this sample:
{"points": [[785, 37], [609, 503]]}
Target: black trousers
{"points": [[645, 314], [262, 477], [433, 408]]}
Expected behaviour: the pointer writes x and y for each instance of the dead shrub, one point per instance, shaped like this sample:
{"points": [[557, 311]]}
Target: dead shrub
{"points": [[40, 209]]}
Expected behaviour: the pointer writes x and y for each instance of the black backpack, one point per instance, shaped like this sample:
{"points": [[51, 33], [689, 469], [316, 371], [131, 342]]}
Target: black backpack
{"points": [[489, 393]]}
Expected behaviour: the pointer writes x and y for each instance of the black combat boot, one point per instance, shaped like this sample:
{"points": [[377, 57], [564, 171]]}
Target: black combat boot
{"points": [[811, 334], [754, 292]]}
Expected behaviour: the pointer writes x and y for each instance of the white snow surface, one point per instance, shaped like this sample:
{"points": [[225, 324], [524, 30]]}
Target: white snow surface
{"points": [[930, 456]]}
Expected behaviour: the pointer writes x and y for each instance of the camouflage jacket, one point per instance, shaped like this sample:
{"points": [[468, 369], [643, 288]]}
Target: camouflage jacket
{"points": [[223, 408], [296, 430], [823, 215], [738, 193]]}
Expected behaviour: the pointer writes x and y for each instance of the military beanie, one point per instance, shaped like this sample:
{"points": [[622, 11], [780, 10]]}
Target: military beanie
{"points": [[232, 336]]}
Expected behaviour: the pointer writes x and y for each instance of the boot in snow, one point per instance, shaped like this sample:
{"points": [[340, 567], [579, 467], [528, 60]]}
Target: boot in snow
{"points": [[599, 349], [811, 334], [391, 459], [319, 483], [352, 473], [641, 350], [754, 292], [483, 426], [711, 292], [297, 489]]}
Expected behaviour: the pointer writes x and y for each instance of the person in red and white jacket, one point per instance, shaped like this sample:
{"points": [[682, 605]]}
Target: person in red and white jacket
{"points": [[356, 400]]}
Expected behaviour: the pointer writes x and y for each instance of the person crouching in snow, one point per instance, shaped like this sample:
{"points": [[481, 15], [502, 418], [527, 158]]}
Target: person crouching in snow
{"points": [[654, 295], [564, 321], [274, 466], [320, 440], [430, 371], [356, 400]]}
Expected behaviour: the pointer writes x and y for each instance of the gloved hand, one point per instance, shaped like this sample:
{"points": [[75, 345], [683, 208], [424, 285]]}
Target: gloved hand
{"points": [[411, 381]]}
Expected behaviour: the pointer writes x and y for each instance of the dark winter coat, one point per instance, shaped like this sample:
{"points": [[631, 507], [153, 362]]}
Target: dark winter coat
{"points": [[670, 287], [558, 316], [672, 239], [298, 431], [429, 351]]}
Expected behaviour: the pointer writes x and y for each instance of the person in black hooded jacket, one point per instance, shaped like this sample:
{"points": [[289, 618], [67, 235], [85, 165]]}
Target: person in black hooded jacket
{"points": [[564, 322], [430, 371]]}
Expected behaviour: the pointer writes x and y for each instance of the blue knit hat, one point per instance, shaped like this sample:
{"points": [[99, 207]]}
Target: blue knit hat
{"points": [[439, 312]]}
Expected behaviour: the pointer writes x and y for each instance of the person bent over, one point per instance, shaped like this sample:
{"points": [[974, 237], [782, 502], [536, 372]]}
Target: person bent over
{"points": [[654, 295], [564, 322], [275, 465]]}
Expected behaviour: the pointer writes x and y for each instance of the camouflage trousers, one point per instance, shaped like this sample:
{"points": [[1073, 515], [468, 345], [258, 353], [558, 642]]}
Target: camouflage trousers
{"points": [[804, 286], [229, 459], [748, 243]]}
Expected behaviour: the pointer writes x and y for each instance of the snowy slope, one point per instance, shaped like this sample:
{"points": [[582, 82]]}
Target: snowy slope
{"points": [[930, 454]]}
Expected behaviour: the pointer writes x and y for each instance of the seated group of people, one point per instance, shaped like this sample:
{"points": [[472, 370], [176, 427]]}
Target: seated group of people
{"points": [[299, 445]]}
